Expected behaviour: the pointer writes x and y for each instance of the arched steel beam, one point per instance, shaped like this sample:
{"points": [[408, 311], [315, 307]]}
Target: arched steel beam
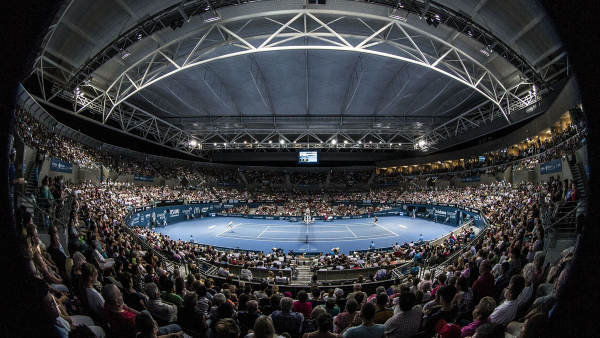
{"points": [[480, 79]]}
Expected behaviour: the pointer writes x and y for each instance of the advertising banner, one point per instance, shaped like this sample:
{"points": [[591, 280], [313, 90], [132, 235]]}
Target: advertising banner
{"points": [[551, 167], [227, 184], [143, 178], [470, 179], [61, 166]]}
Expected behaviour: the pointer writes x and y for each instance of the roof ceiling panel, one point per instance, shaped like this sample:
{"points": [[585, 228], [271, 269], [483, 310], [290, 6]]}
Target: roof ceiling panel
{"points": [[317, 82]]}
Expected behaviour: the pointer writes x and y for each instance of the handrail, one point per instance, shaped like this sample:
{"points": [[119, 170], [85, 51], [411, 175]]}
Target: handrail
{"points": [[36, 206], [575, 209], [397, 271]]}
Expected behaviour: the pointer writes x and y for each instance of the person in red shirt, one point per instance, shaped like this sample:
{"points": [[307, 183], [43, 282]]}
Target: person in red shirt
{"points": [[120, 318], [302, 305], [484, 285]]}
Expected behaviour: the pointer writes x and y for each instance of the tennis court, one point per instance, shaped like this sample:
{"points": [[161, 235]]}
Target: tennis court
{"points": [[320, 236]]}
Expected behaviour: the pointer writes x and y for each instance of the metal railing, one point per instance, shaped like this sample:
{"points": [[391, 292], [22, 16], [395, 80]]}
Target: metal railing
{"points": [[42, 211]]}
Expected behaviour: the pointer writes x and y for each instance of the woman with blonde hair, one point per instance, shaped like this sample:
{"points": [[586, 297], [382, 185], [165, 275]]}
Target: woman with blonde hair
{"points": [[263, 328], [41, 267], [271, 277]]}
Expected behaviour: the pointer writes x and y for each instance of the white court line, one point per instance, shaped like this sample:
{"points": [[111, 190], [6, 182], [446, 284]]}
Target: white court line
{"points": [[351, 231], [337, 239], [387, 230], [212, 226], [400, 225], [319, 231], [228, 229], [264, 231]]}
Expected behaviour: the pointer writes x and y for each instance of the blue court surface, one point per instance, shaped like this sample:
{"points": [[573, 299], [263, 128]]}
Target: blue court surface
{"points": [[263, 235]]}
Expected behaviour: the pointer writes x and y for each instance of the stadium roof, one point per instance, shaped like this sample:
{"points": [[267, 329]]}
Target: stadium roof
{"points": [[368, 76]]}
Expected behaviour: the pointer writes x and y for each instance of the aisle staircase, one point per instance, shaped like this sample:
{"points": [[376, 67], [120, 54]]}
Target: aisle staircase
{"points": [[304, 275]]}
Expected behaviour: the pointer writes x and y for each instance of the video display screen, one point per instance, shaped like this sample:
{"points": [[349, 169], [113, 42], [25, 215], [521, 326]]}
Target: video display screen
{"points": [[308, 157]]}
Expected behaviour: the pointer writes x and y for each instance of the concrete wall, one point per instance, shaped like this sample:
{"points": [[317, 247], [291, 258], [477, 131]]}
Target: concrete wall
{"points": [[564, 174], [171, 183], [89, 175], [441, 185], [29, 158], [45, 171]]}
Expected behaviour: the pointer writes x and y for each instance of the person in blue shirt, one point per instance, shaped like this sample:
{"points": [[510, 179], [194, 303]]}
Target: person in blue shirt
{"points": [[421, 241], [372, 246], [191, 238], [417, 256]]}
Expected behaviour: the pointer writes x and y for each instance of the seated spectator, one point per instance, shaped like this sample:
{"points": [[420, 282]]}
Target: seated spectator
{"points": [[344, 319], [447, 312], [246, 274], [203, 304], [383, 312], [535, 325], [168, 296], [148, 327], [120, 318], [40, 265], [263, 328], [406, 322], [367, 328], [92, 299], [191, 320], [527, 294], [502, 281], [132, 298], [464, 296], [280, 279], [227, 328], [331, 307], [490, 331], [484, 285], [506, 311], [164, 312], [310, 324], [286, 320], [481, 316], [447, 330], [272, 306], [302, 305], [248, 317], [324, 324], [65, 323]]}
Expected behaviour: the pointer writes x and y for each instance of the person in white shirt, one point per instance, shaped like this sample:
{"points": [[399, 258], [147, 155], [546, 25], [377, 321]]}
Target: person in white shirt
{"points": [[506, 312]]}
